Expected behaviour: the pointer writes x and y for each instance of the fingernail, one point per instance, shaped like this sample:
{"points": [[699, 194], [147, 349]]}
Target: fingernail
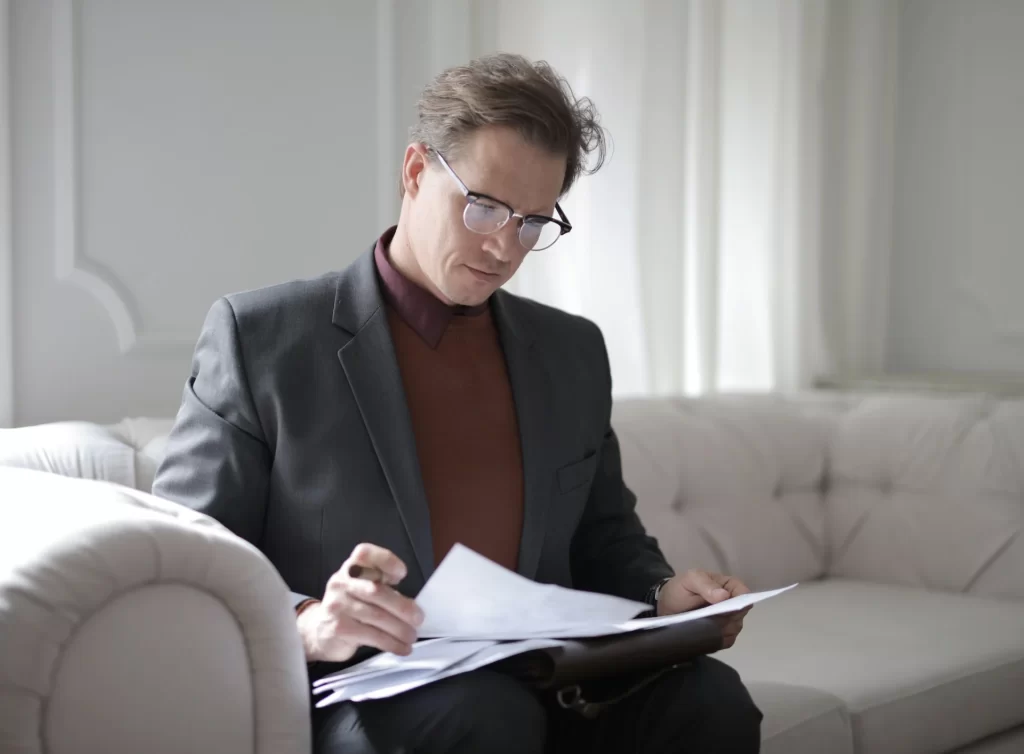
{"points": [[418, 618], [721, 594]]}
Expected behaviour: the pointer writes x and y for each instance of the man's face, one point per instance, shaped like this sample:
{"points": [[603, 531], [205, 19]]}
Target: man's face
{"points": [[462, 266]]}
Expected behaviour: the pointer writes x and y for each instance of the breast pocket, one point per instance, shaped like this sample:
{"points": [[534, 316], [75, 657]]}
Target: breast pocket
{"points": [[577, 474]]}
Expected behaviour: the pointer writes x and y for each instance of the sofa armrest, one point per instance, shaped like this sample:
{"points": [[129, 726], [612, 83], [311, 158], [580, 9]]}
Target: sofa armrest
{"points": [[128, 623]]}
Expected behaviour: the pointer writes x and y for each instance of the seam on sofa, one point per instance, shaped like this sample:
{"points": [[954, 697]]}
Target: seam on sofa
{"points": [[857, 717], [843, 711], [840, 707], [723, 562], [825, 489], [893, 486], [638, 440], [990, 561], [1018, 660], [840, 550], [818, 549]]}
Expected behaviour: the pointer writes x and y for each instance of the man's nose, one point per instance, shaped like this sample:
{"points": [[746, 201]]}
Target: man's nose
{"points": [[504, 244]]}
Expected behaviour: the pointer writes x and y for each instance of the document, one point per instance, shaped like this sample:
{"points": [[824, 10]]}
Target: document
{"points": [[733, 605], [434, 655], [460, 657], [471, 597], [477, 613]]}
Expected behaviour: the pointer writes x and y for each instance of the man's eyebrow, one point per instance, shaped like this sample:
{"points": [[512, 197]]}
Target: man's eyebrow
{"points": [[541, 212]]}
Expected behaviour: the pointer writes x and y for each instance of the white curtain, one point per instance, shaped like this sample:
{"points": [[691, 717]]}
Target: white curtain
{"points": [[697, 247]]}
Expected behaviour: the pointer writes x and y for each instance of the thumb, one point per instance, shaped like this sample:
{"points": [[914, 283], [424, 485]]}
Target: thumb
{"points": [[708, 587]]}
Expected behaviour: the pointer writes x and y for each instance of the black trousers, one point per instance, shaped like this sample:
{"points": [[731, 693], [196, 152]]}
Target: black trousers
{"points": [[703, 707]]}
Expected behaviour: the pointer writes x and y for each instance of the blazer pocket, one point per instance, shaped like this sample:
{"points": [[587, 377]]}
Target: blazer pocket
{"points": [[577, 474]]}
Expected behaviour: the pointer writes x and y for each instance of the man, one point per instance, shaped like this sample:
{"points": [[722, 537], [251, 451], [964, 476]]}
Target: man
{"points": [[376, 416]]}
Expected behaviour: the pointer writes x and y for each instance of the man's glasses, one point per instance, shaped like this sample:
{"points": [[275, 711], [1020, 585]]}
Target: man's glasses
{"points": [[485, 214]]}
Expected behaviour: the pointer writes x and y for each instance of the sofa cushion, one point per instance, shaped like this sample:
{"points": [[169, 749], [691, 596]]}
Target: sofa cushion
{"points": [[929, 492], [730, 484], [919, 671], [1008, 742], [800, 720]]}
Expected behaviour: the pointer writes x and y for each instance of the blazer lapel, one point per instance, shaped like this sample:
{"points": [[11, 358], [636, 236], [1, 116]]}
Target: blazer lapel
{"points": [[532, 396], [373, 374]]}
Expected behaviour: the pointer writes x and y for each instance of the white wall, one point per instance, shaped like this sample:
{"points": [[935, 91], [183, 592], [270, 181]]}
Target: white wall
{"points": [[956, 302], [166, 153], [6, 253]]}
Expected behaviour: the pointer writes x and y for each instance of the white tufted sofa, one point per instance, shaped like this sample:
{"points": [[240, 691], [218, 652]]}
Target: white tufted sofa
{"points": [[901, 516]]}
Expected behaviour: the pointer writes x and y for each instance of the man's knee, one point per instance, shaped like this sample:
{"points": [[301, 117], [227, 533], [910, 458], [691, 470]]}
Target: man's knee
{"points": [[474, 712], [725, 706], [487, 711]]}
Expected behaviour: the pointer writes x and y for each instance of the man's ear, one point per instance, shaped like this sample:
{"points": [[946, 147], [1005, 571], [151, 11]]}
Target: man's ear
{"points": [[413, 168]]}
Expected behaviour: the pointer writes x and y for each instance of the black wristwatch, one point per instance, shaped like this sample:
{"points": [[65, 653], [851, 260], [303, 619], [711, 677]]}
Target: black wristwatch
{"points": [[653, 593]]}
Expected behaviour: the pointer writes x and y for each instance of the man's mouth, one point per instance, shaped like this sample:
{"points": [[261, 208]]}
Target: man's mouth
{"points": [[484, 273]]}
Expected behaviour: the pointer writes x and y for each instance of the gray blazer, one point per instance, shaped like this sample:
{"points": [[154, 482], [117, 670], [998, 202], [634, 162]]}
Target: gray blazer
{"points": [[293, 432]]}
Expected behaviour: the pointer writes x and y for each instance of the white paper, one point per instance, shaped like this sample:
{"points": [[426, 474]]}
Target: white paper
{"points": [[434, 655], [469, 596], [585, 631], [398, 681], [472, 603], [442, 658], [732, 605]]}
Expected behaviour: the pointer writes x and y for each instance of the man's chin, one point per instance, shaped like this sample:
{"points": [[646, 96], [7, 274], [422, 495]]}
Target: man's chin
{"points": [[470, 300], [472, 295]]}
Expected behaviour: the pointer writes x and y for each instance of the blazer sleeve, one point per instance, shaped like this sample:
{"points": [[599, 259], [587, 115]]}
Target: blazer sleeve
{"points": [[217, 459], [611, 552]]}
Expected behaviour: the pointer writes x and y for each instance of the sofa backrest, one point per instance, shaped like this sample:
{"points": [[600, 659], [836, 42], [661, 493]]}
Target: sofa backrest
{"points": [[898, 489], [930, 492], [126, 453], [923, 491], [733, 485]]}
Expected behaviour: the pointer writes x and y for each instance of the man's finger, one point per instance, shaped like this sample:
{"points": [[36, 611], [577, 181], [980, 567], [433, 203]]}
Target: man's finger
{"points": [[370, 636], [701, 582], [386, 598], [380, 618], [731, 584], [366, 555]]}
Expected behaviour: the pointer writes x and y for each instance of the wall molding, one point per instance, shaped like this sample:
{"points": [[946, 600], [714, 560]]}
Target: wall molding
{"points": [[70, 265], [6, 246]]}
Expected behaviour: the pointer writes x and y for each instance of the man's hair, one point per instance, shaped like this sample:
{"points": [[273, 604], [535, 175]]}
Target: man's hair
{"points": [[511, 91]]}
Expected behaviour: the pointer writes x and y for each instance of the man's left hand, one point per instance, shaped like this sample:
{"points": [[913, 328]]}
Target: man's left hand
{"points": [[694, 589]]}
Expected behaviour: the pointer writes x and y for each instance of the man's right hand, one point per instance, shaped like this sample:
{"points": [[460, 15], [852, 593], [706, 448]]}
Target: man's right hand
{"points": [[357, 612]]}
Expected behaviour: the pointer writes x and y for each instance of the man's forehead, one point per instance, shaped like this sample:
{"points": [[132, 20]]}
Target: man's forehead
{"points": [[500, 163]]}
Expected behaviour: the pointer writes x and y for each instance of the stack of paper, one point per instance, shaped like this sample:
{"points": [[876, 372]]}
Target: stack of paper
{"points": [[482, 613]]}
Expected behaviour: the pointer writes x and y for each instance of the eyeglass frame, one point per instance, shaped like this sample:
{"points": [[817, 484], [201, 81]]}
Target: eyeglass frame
{"points": [[564, 225]]}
